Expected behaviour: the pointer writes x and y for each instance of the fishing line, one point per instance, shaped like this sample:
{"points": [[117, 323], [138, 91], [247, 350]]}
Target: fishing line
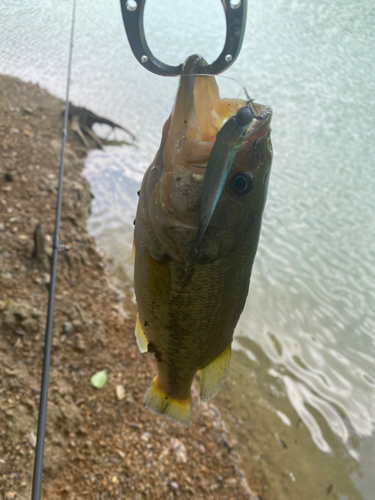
{"points": [[204, 75], [39, 449], [108, 33], [243, 88]]}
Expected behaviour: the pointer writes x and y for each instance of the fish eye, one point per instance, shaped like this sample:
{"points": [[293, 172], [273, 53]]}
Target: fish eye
{"points": [[242, 183]]}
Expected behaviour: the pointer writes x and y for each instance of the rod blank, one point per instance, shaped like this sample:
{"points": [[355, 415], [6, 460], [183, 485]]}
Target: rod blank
{"points": [[39, 449]]}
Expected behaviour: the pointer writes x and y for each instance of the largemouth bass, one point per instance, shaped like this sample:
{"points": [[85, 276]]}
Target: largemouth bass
{"points": [[187, 314]]}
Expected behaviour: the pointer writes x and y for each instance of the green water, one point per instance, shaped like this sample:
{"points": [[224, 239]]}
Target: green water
{"points": [[305, 345]]}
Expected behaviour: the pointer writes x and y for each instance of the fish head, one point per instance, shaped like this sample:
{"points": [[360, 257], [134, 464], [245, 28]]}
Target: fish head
{"points": [[176, 176]]}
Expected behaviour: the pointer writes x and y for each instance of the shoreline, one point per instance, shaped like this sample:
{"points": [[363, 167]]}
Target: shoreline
{"points": [[99, 443]]}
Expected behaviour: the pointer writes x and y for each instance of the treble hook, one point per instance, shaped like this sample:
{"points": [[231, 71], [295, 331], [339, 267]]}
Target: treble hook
{"points": [[235, 15], [250, 104]]}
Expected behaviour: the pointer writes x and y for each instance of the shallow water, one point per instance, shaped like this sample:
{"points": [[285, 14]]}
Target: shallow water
{"points": [[305, 345]]}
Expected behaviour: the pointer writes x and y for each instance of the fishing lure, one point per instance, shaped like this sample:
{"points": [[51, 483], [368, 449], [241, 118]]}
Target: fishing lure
{"points": [[228, 140]]}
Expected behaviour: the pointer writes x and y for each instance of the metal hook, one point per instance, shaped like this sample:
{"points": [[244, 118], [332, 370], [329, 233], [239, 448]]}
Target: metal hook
{"points": [[235, 15]]}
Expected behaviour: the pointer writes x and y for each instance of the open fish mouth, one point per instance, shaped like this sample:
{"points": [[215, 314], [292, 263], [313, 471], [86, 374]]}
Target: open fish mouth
{"points": [[198, 115], [188, 138], [210, 112]]}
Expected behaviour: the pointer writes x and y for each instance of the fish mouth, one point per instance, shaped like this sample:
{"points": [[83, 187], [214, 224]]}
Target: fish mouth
{"points": [[197, 116], [260, 126], [188, 138]]}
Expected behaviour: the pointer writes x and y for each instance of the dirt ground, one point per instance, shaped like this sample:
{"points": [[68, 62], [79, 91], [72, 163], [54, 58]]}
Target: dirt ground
{"points": [[100, 444]]}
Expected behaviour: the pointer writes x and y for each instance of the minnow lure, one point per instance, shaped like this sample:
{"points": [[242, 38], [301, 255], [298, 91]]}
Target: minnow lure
{"points": [[228, 140]]}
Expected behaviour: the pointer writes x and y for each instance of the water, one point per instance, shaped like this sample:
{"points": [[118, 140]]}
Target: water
{"points": [[303, 371]]}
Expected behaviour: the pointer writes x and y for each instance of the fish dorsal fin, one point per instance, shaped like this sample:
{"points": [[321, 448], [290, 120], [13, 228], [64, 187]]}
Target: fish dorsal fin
{"points": [[214, 374], [160, 402], [140, 336]]}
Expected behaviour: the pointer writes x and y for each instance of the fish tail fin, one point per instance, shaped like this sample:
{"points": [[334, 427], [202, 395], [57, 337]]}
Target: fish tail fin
{"points": [[160, 402]]}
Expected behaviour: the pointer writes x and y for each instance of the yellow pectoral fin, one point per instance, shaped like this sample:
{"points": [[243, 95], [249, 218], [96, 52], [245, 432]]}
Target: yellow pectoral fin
{"points": [[133, 250], [214, 375], [159, 402], [140, 336]]}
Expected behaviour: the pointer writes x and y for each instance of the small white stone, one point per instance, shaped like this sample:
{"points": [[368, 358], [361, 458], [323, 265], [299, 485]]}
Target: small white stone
{"points": [[120, 392]]}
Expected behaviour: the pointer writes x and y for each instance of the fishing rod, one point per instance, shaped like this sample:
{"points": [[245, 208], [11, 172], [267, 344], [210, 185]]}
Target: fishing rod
{"points": [[39, 449]]}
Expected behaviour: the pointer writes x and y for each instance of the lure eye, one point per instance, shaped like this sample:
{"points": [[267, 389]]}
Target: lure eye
{"points": [[242, 183], [244, 116]]}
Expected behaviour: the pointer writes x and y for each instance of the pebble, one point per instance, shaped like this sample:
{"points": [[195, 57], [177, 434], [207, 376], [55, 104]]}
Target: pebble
{"points": [[8, 176], [68, 328], [21, 310], [32, 439], [77, 324], [232, 443], [46, 278], [179, 448], [129, 399], [2, 227], [120, 392], [173, 486], [10, 495], [80, 346], [2, 305], [36, 313], [56, 361], [200, 447], [145, 436], [134, 425]]}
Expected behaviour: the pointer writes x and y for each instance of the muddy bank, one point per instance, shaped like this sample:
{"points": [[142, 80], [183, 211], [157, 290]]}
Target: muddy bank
{"points": [[100, 444]]}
